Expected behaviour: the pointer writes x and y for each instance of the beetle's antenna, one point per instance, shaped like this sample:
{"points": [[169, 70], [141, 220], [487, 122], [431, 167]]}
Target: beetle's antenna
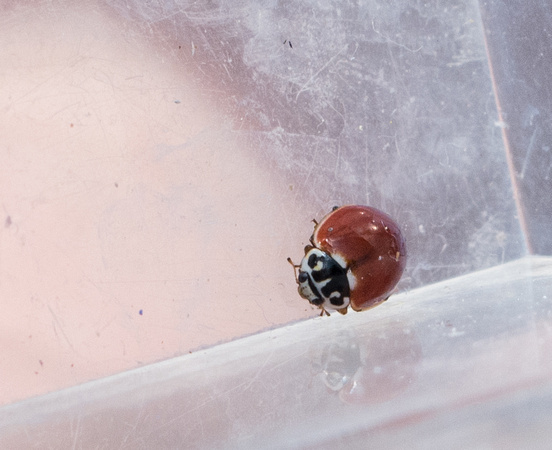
{"points": [[295, 267]]}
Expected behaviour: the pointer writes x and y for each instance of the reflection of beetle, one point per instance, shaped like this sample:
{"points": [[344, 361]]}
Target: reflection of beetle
{"points": [[356, 257], [338, 360], [368, 365]]}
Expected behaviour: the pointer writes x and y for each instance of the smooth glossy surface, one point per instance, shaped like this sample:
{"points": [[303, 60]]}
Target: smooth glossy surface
{"points": [[372, 247], [465, 363]]}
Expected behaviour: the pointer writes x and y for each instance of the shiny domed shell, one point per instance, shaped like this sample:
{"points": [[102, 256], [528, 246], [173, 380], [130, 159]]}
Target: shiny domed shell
{"points": [[369, 245]]}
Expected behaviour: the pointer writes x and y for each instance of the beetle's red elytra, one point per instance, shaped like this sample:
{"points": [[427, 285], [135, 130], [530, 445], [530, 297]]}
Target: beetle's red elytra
{"points": [[356, 257]]}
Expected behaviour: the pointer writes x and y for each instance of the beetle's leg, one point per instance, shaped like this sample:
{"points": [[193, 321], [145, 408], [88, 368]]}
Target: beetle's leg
{"points": [[323, 311]]}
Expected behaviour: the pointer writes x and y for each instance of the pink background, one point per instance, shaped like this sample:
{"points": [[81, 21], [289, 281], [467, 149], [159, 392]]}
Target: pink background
{"points": [[123, 189]]}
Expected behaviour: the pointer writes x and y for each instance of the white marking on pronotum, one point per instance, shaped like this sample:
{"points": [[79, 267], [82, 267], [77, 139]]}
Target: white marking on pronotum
{"points": [[339, 259]]}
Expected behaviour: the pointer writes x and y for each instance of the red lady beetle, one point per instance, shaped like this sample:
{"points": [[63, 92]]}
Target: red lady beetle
{"points": [[356, 257]]}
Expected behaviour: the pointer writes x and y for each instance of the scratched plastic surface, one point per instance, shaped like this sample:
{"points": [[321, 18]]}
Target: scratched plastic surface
{"points": [[405, 107], [464, 363]]}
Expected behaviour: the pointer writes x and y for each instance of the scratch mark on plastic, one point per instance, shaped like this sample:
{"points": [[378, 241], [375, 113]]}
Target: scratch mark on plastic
{"points": [[387, 38], [315, 75], [530, 149], [245, 386], [56, 322], [75, 433]]}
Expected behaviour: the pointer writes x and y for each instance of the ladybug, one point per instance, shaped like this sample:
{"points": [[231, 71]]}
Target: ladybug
{"points": [[356, 257]]}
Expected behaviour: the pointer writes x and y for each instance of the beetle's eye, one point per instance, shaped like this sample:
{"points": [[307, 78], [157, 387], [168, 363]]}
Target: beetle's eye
{"points": [[302, 277]]}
